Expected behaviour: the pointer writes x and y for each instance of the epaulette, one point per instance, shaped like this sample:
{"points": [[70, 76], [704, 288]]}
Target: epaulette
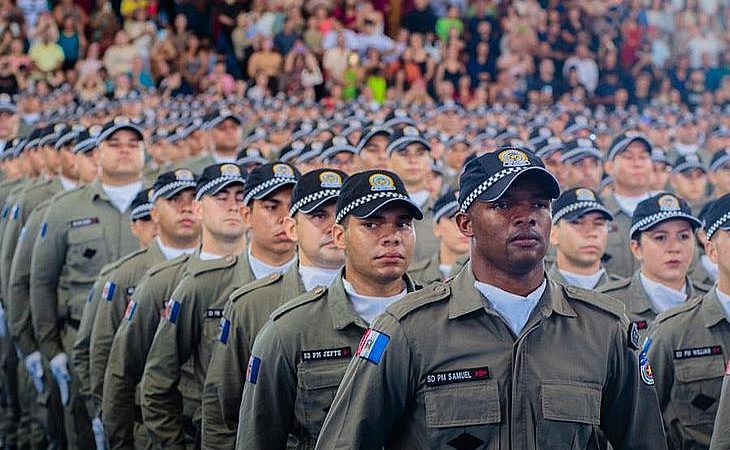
{"points": [[254, 285], [612, 278], [419, 265], [134, 254], [307, 297], [614, 285], [702, 287], [159, 267], [417, 299], [598, 299], [211, 265], [684, 307], [109, 268]]}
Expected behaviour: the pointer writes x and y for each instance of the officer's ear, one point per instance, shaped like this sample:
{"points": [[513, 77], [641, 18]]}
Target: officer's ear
{"points": [[338, 234], [463, 221], [635, 247], [246, 214], [711, 250], [290, 228], [608, 167], [155, 214], [554, 240]]}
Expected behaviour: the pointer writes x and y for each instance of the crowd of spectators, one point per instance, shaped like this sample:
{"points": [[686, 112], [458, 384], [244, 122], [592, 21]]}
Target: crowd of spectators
{"points": [[477, 52]]}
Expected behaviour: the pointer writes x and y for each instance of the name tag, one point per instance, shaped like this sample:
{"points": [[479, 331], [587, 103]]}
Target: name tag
{"points": [[698, 352], [457, 376], [78, 223], [214, 313], [331, 353]]}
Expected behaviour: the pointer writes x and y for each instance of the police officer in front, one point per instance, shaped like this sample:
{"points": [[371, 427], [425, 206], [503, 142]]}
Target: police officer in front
{"points": [[82, 232], [300, 355], [689, 345], [500, 356], [662, 240]]}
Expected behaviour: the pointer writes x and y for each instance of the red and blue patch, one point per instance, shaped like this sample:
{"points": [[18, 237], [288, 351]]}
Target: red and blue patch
{"points": [[252, 372], [44, 230], [108, 292], [225, 327], [131, 309], [173, 311], [373, 345], [647, 374]]}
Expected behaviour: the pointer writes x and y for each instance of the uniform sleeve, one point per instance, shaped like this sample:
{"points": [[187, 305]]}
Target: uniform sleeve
{"points": [[7, 249], [80, 357], [662, 364], [630, 415], [720, 435], [49, 255], [126, 364], [269, 393], [172, 345], [109, 315], [18, 289], [373, 394]]}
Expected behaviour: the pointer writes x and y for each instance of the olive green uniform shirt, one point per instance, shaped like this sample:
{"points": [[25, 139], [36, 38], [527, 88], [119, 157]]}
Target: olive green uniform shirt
{"points": [[188, 332], [720, 436], [688, 349], [302, 354], [631, 293], [426, 243], [619, 260], [246, 312], [445, 371]]}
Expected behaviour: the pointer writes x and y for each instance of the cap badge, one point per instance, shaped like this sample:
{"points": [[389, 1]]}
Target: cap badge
{"points": [[230, 170], [381, 182], [339, 141], [513, 158], [669, 203], [121, 121], [410, 131], [282, 171], [583, 142], [95, 130], [330, 180], [184, 175], [545, 132], [150, 194], [585, 195]]}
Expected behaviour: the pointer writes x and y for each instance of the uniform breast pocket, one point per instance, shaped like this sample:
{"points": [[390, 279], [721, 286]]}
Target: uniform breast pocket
{"points": [[462, 416], [318, 383], [571, 413], [698, 382], [86, 253]]}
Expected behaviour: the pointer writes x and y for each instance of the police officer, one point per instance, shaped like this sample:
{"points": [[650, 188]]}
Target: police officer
{"points": [[81, 234], [688, 347], [662, 240], [472, 362], [452, 244], [630, 166], [719, 173], [311, 217], [582, 164], [689, 181], [196, 305], [178, 232], [224, 132], [579, 234], [371, 149], [300, 355]]}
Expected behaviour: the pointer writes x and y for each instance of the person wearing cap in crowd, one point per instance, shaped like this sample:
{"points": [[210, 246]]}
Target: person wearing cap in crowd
{"points": [[688, 346], [312, 215], [177, 232], [308, 159], [579, 234], [339, 154], [702, 270], [662, 169], [225, 134], [250, 158], [196, 305], [550, 152], [371, 149], [80, 234], [662, 240], [86, 154], [719, 173], [457, 149], [167, 149], [300, 355], [686, 137], [689, 181], [582, 165], [9, 120], [409, 158], [472, 362], [630, 167], [452, 244]]}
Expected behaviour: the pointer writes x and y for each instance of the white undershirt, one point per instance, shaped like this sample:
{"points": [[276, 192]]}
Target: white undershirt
{"points": [[205, 256], [67, 184], [583, 281], [514, 309], [170, 252], [315, 276], [370, 307], [629, 204], [122, 196], [724, 301], [445, 270], [685, 149], [710, 267], [220, 159], [420, 198], [662, 297], [260, 269]]}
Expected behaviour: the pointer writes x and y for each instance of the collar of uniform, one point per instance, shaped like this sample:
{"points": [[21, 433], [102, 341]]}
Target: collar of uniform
{"points": [[96, 190], [292, 285], [555, 275], [638, 298], [712, 310], [553, 300], [612, 205]]}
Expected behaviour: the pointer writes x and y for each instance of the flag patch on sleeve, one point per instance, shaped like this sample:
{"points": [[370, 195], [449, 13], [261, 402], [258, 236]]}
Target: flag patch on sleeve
{"points": [[252, 372], [372, 346], [225, 326], [108, 292], [131, 309], [173, 311], [44, 230]]}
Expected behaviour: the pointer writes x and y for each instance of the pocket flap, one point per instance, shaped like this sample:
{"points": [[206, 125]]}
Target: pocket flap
{"points": [[569, 401], [699, 368], [321, 377], [85, 234], [463, 405]]}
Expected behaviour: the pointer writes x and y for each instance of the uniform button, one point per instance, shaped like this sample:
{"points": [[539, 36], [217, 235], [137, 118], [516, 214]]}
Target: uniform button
{"points": [[228, 259]]}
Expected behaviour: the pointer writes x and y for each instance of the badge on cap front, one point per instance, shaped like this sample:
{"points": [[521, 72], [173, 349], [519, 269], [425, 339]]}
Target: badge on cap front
{"points": [[230, 170], [584, 195], [381, 182], [513, 158], [282, 171], [184, 175], [330, 180], [669, 203], [410, 131]]}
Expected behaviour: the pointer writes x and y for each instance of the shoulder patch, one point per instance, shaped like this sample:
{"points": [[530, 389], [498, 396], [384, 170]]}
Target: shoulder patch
{"points": [[597, 299], [414, 300], [615, 284], [303, 299], [677, 310], [254, 285]]}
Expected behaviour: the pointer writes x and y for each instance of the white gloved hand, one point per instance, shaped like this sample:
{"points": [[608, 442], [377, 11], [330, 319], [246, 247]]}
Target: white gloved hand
{"points": [[98, 427], [34, 367], [59, 369]]}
